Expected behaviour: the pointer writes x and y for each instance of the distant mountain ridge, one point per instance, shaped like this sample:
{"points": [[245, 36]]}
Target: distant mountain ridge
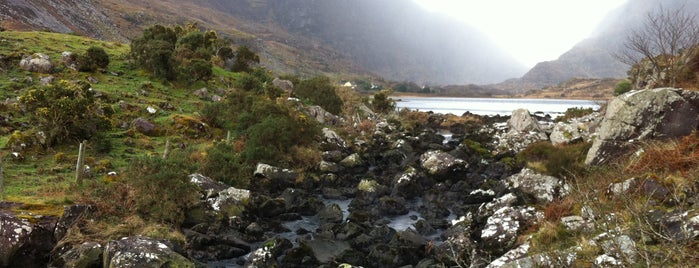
{"points": [[593, 57], [394, 39]]}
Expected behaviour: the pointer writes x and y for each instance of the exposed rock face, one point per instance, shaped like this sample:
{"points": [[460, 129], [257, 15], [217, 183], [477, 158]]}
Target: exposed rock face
{"points": [[145, 126], [38, 62], [576, 129], [641, 115], [138, 251], [543, 189], [274, 173]]}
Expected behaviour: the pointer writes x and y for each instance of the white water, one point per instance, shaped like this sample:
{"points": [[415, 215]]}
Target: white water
{"points": [[491, 106]]}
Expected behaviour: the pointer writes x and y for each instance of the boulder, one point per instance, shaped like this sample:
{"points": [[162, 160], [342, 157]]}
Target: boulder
{"points": [[679, 226], [322, 116], [71, 214], [146, 127], [215, 246], [274, 173], [208, 186], [68, 60], [37, 62], [542, 188], [139, 251], [47, 80], [85, 255], [266, 256], [332, 142], [25, 243], [501, 229], [641, 115], [285, 85], [352, 161], [202, 93], [330, 214], [521, 130], [441, 163], [522, 121]]}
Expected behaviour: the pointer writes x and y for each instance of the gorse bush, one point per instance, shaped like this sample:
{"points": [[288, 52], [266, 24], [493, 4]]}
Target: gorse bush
{"points": [[622, 87], [93, 59], [320, 91], [382, 103], [65, 111]]}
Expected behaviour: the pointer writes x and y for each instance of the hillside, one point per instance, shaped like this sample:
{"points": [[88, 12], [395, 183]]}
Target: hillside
{"points": [[593, 57], [395, 39]]}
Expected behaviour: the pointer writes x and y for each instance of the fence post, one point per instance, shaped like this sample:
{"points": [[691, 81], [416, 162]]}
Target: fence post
{"points": [[1, 181], [167, 149], [228, 137], [79, 164]]}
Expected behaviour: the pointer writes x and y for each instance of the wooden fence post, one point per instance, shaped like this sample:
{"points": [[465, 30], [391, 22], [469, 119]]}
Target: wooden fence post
{"points": [[167, 149], [228, 137], [79, 164]]}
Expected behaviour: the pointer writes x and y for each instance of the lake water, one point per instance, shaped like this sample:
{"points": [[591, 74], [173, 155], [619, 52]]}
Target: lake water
{"points": [[491, 106]]}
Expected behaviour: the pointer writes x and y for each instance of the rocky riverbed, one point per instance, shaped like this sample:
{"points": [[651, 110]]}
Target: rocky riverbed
{"points": [[391, 198]]}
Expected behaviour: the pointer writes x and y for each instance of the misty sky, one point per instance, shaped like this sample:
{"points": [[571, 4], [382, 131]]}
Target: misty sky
{"points": [[531, 30]]}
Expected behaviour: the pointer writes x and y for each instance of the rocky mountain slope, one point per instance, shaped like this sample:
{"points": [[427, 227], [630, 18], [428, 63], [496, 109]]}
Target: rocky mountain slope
{"points": [[593, 57], [394, 39]]}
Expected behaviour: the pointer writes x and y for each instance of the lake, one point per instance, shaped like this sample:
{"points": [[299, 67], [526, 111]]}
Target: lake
{"points": [[491, 106]]}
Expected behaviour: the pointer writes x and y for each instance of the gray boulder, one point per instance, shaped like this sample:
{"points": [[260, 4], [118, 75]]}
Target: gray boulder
{"points": [[274, 173], [85, 255], [542, 188], [322, 116], [37, 62], [138, 251], [146, 127], [441, 163], [68, 60], [640, 115], [521, 130], [330, 214], [522, 121], [501, 229], [285, 85], [25, 243]]}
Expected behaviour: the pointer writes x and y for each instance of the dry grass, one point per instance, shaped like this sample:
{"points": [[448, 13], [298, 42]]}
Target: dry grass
{"points": [[679, 156]]}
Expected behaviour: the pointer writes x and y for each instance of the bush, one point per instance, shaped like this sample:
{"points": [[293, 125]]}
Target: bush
{"points": [[559, 161], [320, 91], [382, 103], [93, 59], [65, 111], [244, 59], [161, 188], [622, 87], [574, 112], [224, 163]]}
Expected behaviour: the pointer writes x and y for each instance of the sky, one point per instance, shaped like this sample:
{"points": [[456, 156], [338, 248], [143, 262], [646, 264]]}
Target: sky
{"points": [[531, 30]]}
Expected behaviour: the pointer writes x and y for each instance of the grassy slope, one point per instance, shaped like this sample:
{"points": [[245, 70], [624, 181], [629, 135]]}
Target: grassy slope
{"points": [[46, 178]]}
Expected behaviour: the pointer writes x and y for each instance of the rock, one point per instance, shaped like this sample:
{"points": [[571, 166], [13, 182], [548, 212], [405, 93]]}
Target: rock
{"points": [[46, 80], [332, 142], [680, 226], [546, 259], [214, 246], [621, 247], [145, 127], [274, 173], [330, 214], [543, 189], [85, 255], [38, 62], [522, 121], [202, 93], [441, 163], [298, 201], [93, 80], [138, 251], [24, 243], [322, 116], [208, 186], [229, 201], [216, 98], [511, 256], [71, 214], [577, 223], [501, 229], [266, 256], [352, 161], [326, 251], [392, 206], [68, 60], [567, 133], [489, 208], [151, 110], [647, 187], [641, 115], [521, 130], [285, 85]]}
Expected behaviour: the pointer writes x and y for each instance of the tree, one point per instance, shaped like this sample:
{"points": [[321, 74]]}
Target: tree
{"points": [[244, 59], [154, 51], [659, 42], [320, 91]]}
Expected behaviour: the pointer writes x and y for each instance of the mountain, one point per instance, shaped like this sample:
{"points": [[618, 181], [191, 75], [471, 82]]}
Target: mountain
{"points": [[593, 57], [394, 39]]}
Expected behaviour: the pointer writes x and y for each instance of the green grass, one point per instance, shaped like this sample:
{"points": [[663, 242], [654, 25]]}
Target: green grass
{"points": [[46, 185]]}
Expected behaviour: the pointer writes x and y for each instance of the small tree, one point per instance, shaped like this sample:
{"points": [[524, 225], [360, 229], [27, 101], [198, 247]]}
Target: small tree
{"points": [[659, 41], [320, 91], [382, 103]]}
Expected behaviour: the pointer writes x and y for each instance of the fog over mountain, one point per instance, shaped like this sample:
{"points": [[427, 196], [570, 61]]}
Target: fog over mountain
{"points": [[593, 57], [394, 39]]}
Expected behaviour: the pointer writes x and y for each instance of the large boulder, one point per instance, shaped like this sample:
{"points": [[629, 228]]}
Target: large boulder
{"points": [[640, 115], [502, 228], [85, 255], [25, 243], [274, 173], [37, 62], [138, 251], [541, 188], [522, 130]]}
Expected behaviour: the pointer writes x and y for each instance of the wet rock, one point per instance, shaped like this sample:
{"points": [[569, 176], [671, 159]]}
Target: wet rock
{"points": [[441, 163], [85, 255], [215, 246], [326, 251], [541, 188], [392, 206], [138, 251], [641, 115], [352, 161], [298, 201], [266, 256], [330, 214], [37, 62]]}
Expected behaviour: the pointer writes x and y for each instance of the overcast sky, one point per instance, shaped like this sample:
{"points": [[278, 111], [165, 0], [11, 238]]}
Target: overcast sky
{"points": [[531, 30]]}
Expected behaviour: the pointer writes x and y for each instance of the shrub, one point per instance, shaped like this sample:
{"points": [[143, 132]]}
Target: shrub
{"points": [[382, 103], [224, 163], [244, 59], [622, 87], [93, 59], [320, 91], [65, 110], [161, 188]]}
